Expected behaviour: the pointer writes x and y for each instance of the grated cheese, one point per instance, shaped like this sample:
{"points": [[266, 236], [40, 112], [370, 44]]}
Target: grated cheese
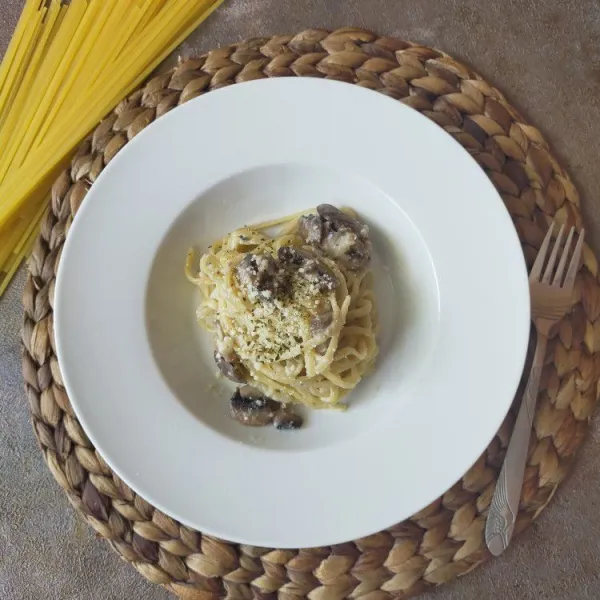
{"points": [[277, 329]]}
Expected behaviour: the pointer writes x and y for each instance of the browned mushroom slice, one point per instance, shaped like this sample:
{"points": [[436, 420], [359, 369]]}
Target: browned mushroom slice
{"points": [[252, 408], [289, 255], [322, 348], [310, 229], [257, 274], [230, 367], [309, 266], [319, 324], [287, 419], [328, 210], [333, 215], [344, 238], [346, 247]]}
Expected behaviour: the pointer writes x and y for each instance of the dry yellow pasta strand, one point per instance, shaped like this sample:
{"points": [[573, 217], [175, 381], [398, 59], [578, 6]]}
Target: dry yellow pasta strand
{"points": [[49, 72], [143, 15], [155, 8], [87, 34], [159, 29], [48, 95], [77, 9], [27, 246], [18, 188], [20, 228], [157, 35], [32, 95], [118, 29], [136, 60], [20, 63], [31, 7], [17, 110], [66, 67]]}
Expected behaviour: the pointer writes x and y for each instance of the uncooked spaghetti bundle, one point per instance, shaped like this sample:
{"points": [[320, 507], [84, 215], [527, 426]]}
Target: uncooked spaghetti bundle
{"points": [[67, 67]]}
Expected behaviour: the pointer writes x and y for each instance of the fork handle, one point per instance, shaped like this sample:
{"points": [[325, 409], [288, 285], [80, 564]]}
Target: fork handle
{"points": [[504, 507]]}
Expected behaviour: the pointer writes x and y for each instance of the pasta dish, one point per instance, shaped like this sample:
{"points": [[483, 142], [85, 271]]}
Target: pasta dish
{"points": [[292, 313]]}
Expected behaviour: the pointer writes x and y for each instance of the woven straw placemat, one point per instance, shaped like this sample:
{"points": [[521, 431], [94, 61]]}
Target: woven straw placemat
{"points": [[445, 539]]}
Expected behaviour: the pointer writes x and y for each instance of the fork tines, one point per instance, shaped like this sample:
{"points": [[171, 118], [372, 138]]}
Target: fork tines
{"points": [[551, 275]]}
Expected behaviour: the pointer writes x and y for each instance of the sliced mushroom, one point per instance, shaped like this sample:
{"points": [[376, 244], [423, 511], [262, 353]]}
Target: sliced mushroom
{"points": [[337, 219], [322, 348], [309, 266], [345, 246], [320, 323], [230, 367], [287, 419], [310, 229], [257, 273], [290, 255], [328, 211], [252, 408], [344, 238]]}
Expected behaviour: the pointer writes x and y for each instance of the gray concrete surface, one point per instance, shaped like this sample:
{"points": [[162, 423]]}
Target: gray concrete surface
{"points": [[545, 55]]}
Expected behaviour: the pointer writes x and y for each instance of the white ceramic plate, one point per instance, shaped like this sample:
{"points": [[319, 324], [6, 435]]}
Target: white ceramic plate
{"points": [[453, 303]]}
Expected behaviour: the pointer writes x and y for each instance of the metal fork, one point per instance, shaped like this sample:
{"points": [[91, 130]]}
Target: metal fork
{"points": [[551, 299]]}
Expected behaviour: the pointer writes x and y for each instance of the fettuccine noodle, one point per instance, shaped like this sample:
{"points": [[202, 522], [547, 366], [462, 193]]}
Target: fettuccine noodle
{"points": [[286, 356]]}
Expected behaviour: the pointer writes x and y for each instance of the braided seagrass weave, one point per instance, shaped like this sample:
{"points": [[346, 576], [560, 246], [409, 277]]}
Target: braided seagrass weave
{"points": [[445, 539]]}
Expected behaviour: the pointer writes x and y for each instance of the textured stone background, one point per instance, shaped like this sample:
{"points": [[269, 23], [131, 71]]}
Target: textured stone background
{"points": [[545, 56]]}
